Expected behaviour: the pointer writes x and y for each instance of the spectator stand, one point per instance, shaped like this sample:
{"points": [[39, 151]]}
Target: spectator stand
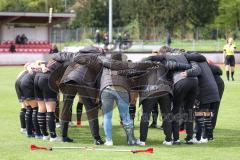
{"points": [[35, 26]]}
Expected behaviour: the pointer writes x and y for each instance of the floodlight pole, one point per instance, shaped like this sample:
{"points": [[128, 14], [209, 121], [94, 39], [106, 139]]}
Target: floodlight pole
{"points": [[110, 21]]}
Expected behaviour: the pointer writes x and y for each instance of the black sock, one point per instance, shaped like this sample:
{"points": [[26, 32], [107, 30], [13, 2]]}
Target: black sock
{"points": [[51, 124], [208, 127], [35, 121], [28, 120], [57, 111], [42, 123], [200, 127], [64, 128], [22, 117], [232, 75], [227, 73], [79, 111]]}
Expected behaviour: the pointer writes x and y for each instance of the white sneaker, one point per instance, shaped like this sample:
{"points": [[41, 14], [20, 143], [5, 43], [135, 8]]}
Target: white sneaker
{"points": [[195, 141], [58, 125], [45, 138], [56, 139], [167, 143], [23, 130], [108, 143], [140, 143], [204, 140]]}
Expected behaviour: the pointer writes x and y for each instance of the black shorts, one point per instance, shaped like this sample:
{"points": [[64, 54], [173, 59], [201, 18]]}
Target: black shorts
{"points": [[230, 60], [19, 92], [42, 90], [27, 86]]}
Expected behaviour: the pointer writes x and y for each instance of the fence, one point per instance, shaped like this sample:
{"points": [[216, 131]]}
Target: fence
{"points": [[206, 39]]}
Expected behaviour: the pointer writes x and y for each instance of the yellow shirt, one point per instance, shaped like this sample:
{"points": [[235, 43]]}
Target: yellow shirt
{"points": [[229, 49]]}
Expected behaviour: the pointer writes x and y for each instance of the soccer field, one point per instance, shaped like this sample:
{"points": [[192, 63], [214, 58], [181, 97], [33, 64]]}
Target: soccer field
{"points": [[15, 146]]}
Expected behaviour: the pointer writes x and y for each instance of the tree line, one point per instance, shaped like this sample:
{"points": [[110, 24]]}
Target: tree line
{"points": [[145, 16]]}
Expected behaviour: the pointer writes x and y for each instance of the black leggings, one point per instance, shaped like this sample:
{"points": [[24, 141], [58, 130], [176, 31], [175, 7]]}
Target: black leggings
{"points": [[185, 92], [91, 111], [155, 114], [215, 107], [165, 105]]}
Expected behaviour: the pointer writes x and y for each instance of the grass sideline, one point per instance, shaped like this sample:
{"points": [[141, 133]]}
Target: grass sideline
{"points": [[15, 146]]}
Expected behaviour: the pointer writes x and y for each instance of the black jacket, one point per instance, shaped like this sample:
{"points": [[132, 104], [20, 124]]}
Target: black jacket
{"points": [[109, 75], [156, 82], [207, 85], [57, 67], [79, 78], [193, 72], [217, 72]]}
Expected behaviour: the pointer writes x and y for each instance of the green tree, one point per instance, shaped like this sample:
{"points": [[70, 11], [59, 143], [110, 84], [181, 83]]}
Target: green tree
{"points": [[92, 13], [229, 16], [201, 13]]}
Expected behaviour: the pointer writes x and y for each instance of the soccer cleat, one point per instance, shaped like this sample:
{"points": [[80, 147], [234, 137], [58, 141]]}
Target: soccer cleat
{"points": [[204, 140], [108, 143], [67, 139], [56, 139], [177, 142], [98, 142], [23, 130], [167, 143], [45, 138], [210, 138], [189, 141], [140, 143], [195, 141]]}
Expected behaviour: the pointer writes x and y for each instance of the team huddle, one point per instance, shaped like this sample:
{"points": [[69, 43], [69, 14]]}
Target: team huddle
{"points": [[187, 88]]}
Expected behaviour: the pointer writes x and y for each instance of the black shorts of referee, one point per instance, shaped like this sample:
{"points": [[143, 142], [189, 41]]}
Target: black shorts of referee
{"points": [[19, 92], [42, 90], [230, 60], [27, 86]]}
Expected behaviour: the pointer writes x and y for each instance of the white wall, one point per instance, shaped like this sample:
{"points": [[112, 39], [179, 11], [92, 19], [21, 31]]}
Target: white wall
{"points": [[39, 33], [21, 58]]}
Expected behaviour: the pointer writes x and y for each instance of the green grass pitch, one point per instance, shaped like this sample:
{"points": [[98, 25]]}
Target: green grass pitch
{"points": [[15, 146]]}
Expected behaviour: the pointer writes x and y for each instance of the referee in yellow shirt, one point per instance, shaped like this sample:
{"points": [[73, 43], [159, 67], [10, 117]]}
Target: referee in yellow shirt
{"points": [[228, 53]]}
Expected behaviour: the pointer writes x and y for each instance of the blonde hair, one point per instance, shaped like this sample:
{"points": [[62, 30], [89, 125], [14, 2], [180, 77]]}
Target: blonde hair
{"points": [[26, 65]]}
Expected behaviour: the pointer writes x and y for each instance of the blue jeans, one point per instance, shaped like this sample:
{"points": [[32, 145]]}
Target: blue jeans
{"points": [[108, 97]]}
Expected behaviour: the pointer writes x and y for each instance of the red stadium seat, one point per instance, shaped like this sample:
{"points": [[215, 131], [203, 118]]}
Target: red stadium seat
{"points": [[5, 46]]}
